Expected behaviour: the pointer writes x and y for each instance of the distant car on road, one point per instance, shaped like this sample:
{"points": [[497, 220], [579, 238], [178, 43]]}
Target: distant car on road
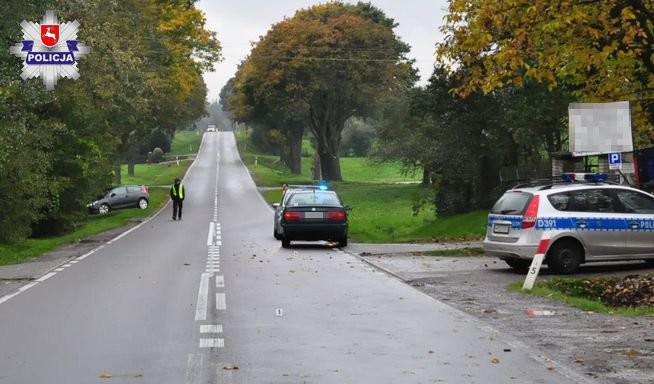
{"points": [[211, 128], [310, 213], [125, 196], [590, 220]]}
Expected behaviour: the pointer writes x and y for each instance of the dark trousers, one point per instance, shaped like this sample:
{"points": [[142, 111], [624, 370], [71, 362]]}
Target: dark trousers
{"points": [[177, 208]]}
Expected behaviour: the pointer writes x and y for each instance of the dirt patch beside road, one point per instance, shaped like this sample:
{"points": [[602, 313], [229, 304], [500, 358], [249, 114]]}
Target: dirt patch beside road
{"points": [[609, 349]]}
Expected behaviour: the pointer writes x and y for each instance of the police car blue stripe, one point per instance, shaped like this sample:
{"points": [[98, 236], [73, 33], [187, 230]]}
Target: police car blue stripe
{"points": [[516, 221], [595, 224]]}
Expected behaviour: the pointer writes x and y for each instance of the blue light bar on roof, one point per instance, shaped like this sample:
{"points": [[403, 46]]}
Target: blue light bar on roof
{"points": [[592, 177]]}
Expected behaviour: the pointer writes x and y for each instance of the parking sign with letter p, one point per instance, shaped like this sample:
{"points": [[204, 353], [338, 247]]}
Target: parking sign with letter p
{"points": [[615, 160]]}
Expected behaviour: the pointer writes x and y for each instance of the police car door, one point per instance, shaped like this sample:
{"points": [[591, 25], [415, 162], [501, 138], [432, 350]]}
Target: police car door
{"points": [[598, 223], [639, 209]]}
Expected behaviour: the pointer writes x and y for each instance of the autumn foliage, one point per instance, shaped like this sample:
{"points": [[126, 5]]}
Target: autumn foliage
{"points": [[319, 68], [602, 49]]}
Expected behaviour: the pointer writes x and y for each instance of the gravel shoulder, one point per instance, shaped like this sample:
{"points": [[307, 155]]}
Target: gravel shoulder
{"points": [[607, 349]]}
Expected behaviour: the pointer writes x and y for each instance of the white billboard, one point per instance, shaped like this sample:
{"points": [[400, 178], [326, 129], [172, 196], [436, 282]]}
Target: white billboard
{"points": [[600, 128]]}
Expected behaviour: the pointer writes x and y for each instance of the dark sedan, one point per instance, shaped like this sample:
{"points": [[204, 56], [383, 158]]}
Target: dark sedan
{"points": [[311, 216], [125, 196]]}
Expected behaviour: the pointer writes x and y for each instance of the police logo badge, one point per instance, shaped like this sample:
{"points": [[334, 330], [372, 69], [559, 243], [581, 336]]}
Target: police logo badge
{"points": [[50, 50]]}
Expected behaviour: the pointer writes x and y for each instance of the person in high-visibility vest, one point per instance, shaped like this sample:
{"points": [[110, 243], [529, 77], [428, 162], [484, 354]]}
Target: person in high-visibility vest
{"points": [[177, 194]]}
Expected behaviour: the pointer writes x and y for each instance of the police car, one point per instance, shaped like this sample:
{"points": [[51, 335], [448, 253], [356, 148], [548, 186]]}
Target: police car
{"points": [[589, 219]]}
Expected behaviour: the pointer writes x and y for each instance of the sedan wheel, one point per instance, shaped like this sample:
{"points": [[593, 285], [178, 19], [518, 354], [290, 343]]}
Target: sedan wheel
{"points": [[104, 208], [286, 243], [143, 203]]}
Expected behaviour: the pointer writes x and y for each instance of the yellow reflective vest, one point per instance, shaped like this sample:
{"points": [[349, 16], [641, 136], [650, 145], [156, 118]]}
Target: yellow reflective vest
{"points": [[177, 193]]}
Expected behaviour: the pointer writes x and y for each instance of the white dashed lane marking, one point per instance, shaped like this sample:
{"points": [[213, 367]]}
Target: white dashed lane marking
{"points": [[221, 301], [211, 328], [212, 343]]}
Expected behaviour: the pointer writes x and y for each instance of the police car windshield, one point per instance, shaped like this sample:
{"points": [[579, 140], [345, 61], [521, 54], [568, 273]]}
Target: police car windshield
{"points": [[512, 203]]}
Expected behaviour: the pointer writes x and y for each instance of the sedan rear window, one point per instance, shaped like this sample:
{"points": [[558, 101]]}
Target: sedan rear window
{"points": [[512, 203], [313, 198]]}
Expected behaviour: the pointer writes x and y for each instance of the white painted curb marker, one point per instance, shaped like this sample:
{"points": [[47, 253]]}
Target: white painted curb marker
{"points": [[537, 262]]}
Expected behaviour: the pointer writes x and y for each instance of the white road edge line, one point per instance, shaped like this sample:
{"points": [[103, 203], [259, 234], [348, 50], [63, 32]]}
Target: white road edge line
{"points": [[46, 277], [11, 295], [203, 298], [220, 281]]}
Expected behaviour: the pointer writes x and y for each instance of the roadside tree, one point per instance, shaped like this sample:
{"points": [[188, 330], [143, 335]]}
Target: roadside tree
{"points": [[602, 50]]}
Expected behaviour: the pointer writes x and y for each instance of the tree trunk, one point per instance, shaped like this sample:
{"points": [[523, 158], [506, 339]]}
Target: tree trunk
{"points": [[117, 173], [327, 123], [294, 141], [426, 177], [330, 166]]}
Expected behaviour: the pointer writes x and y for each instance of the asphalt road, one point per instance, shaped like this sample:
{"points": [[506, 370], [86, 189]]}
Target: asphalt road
{"points": [[215, 299]]}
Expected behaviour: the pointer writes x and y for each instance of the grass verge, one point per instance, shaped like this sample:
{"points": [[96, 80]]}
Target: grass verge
{"points": [[579, 298], [158, 177], [385, 202], [186, 142]]}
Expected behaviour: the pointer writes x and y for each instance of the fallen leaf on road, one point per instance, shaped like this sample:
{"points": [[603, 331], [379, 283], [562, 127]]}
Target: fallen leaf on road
{"points": [[291, 271], [495, 360], [231, 368], [483, 311], [430, 351], [579, 360], [105, 376], [632, 353]]}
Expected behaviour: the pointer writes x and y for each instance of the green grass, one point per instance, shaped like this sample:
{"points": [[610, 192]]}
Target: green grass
{"points": [[158, 177], [185, 142], [583, 302], [383, 213], [383, 200], [155, 174], [270, 172]]}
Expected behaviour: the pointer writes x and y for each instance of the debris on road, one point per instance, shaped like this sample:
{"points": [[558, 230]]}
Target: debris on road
{"points": [[535, 312]]}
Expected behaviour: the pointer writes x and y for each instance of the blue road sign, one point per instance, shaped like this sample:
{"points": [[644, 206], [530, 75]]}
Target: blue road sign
{"points": [[615, 160]]}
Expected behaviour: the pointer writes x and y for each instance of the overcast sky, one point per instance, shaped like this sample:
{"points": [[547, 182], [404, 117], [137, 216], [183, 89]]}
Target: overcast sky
{"points": [[240, 22]]}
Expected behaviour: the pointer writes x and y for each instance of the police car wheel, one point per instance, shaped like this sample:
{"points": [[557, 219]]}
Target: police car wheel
{"points": [[286, 242], [342, 242], [518, 264], [565, 256]]}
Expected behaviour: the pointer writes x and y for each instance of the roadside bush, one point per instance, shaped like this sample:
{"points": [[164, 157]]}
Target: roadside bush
{"points": [[357, 138], [156, 155]]}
